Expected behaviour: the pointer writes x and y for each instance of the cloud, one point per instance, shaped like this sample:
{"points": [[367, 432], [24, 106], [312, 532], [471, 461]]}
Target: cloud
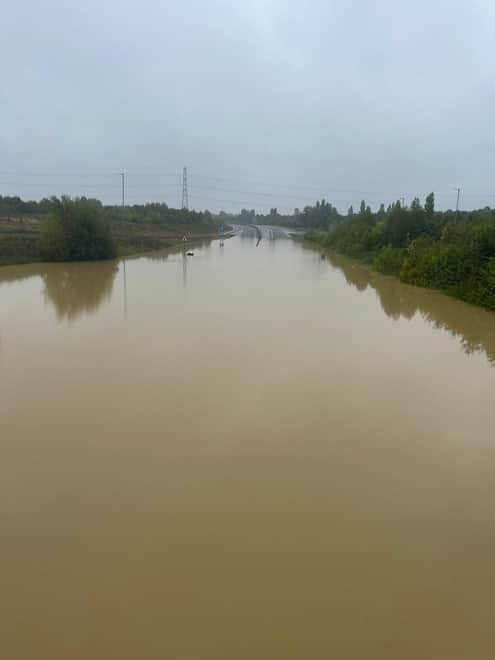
{"points": [[382, 97]]}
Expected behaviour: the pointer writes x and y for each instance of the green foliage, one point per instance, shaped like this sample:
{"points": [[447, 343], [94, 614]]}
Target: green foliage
{"points": [[160, 214], [322, 215], [461, 262], [15, 206], [433, 264], [360, 236], [486, 288], [76, 231], [317, 236], [423, 247], [403, 225], [52, 240], [430, 206], [389, 260]]}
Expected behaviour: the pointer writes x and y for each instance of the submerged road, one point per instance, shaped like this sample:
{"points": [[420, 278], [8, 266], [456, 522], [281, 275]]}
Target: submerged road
{"points": [[253, 453]]}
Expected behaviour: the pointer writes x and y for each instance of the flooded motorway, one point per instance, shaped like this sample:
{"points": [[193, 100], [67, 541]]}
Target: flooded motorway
{"points": [[258, 451]]}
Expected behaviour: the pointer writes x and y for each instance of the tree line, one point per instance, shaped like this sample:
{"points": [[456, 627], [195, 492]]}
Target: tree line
{"points": [[13, 205], [156, 213], [454, 252], [320, 216], [159, 213], [82, 229]]}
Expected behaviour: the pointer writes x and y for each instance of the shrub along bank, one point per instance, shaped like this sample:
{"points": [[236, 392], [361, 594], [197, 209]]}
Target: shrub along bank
{"points": [[447, 251]]}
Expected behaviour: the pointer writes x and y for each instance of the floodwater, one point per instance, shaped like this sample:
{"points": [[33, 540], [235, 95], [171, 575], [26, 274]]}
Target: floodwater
{"points": [[254, 452]]}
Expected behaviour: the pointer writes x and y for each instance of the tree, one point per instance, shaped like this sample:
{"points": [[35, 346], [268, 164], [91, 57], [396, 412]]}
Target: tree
{"points": [[52, 241], [430, 206], [76, 231], [404, 225], [397, 226], [350, 211]]}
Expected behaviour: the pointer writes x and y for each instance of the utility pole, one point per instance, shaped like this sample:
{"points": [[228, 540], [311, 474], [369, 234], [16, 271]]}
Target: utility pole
{"points": [[457, 204], [185, 196], [122, 174]]}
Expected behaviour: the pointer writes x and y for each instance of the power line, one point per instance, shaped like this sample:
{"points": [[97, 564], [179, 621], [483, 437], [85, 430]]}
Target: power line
{"points": [[242, 181], [259, 182], [256, 182], [27, 184], [85, 174], [62, 174], [322, 194], [246, 189]]}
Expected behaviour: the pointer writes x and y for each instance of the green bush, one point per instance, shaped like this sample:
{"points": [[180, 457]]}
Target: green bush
{"points": [[52, 241], [435, 250], [486, 291], [76, 231], [389, 260]]}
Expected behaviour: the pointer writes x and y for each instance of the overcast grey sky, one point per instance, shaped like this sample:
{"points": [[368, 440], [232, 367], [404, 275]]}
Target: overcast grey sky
{"points": [[278, 101]]}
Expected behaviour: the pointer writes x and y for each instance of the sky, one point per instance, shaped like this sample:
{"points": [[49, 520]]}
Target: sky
{"points": [[268, 103]]}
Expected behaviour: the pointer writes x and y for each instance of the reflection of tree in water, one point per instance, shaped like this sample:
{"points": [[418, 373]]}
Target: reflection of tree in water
{"points": [[75, 288], [354, 274], [72, 288], [18, 272], [473, 326]]}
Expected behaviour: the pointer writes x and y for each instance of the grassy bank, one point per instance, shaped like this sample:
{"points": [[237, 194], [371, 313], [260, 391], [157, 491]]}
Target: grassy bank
{"points": [[20, 237], [132, 237], [84, 229], [19, 240]]}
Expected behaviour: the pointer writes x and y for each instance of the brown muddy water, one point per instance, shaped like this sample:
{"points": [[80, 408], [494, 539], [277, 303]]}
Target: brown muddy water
{"points": [[255, 452]]}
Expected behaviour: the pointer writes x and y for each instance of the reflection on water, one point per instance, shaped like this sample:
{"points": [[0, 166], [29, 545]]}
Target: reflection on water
{"points": [[165, 254], [125, 289], [176, 252], [79, 288], [473, 326], [184, 269], [72, 288], [248, 235]]}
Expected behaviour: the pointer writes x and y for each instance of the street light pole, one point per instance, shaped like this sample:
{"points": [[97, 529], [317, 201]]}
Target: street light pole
{"points": [[122, 174], [457, 204]]}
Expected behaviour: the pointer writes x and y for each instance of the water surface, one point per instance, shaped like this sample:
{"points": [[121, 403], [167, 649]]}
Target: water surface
{"points": [[255, 452]]}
